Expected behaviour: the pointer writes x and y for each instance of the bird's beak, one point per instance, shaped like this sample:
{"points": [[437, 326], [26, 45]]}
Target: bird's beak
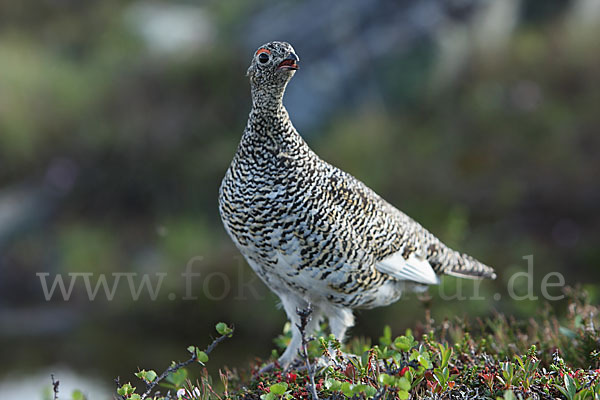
{"points": [[290, 63]]}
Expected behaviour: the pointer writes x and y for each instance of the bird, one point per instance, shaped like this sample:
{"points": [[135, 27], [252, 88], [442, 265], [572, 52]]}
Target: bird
{"points": [[317, 236]]}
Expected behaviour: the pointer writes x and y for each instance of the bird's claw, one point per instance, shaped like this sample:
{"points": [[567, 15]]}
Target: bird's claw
{"points": [[267, 368]]}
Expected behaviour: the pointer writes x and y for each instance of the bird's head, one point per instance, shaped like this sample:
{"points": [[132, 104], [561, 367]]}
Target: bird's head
{"points": [[273, 65]]}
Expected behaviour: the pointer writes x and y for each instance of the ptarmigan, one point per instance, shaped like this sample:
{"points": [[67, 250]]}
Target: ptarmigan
{"points": [[313, 233]]}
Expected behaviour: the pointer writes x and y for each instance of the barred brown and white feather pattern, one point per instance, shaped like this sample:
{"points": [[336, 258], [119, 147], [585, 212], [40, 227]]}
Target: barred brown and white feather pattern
{"points": [[313, 233]]}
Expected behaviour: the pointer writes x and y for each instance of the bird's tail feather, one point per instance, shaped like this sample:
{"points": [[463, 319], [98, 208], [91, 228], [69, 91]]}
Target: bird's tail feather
{"points": [[465, 266]]}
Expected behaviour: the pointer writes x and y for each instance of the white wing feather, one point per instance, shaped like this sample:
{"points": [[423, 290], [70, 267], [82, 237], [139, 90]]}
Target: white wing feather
{"points": [[413, 269]]}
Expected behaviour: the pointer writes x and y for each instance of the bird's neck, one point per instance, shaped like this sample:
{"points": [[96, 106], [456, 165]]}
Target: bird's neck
{"points": [[267, 100], [269, 118], [269, 134], [271, 124]]}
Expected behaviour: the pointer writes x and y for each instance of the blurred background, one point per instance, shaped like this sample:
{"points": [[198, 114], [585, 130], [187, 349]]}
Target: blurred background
{"points": [[118, 119]]}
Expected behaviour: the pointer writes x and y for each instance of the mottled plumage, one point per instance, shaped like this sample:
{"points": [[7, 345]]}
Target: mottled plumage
{"points": [[313, 233]]}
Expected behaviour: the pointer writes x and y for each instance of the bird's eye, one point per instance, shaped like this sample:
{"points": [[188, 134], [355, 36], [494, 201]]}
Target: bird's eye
{"points": [[263, 57]]}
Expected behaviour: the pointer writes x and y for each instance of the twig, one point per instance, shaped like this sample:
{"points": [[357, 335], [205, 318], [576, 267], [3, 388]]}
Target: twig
{"points": [[305, 315], [54, 386], [380, 393], [426, 299], [332, 352], [118, 383], [150, 386]]}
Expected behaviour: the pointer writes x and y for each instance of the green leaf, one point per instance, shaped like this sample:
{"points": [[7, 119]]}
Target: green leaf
{"points": [[403, 394], [403, 384], [151, 376], [268, 396], [125, 390], [508, 395], [567, 332], [178, 377], [202, 356], [446, 354], [147, 376], [359, 388], [386, 339], [135, 396], [370, 391], [585, 394], [563, 391], [520, 361], [347, 389], [223, 328], [78, 395], [424, 361], [405, 343], [439, 376], [386, 379], [191, 349], [570, 386], [333, 384], [279, 388]]}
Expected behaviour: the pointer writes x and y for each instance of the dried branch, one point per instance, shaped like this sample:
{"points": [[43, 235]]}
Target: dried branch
{"points": [[305, 316], [54, 386], [150, 386], [175, 367]]}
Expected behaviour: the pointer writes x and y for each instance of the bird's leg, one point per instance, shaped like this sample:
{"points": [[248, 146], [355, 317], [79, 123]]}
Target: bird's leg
{"points": [[291, 351], [426, 299], [340, 319]]}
